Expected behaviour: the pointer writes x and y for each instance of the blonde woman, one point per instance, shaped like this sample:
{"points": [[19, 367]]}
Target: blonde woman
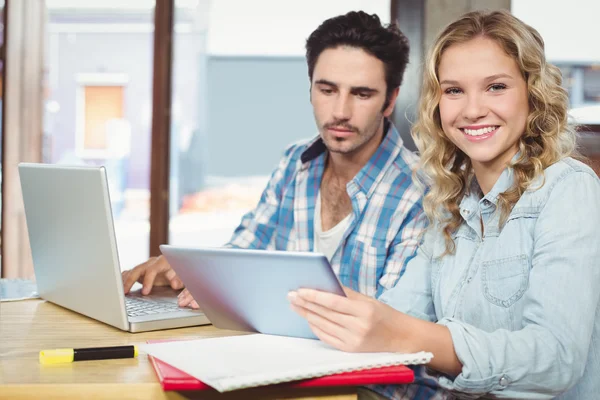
{"points": [[504, 290]]}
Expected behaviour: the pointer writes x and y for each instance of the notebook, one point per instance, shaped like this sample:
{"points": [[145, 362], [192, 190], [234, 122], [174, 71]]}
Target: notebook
{"points": [[171, 378], [238, 362]]}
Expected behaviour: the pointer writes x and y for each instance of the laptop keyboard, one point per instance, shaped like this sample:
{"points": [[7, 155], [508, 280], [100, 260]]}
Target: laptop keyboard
{"points": [[137, 306]]}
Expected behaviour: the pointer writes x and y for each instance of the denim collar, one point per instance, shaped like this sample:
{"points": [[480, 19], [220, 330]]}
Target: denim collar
{"points": [[475, 199]]}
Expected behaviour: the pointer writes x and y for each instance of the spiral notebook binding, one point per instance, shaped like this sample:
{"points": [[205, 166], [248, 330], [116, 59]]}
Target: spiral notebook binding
{"points": [[235, 383]]}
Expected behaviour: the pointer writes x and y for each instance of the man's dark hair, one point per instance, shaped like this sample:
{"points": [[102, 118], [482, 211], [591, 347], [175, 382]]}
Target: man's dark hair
{"points": [[361, 30]]}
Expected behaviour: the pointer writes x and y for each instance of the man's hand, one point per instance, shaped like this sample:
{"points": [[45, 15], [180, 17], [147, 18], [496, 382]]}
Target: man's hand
{"points": [[185, 299], [356, 323], [154, 272]]}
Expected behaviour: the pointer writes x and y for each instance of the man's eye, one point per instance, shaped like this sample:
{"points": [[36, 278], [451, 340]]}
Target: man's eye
{"points": [[363, 96], [326, 91]]}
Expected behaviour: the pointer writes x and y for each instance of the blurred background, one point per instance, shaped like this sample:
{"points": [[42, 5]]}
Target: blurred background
{"points": [[199, 98]]}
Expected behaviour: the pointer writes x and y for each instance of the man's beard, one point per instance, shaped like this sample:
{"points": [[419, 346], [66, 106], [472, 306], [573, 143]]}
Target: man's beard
{"points": [[341, 124], [360, 138]]}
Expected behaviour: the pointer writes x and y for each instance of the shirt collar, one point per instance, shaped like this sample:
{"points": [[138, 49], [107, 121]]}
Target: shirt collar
{"points": [[503, 183], [370, 173], [474, 197]]}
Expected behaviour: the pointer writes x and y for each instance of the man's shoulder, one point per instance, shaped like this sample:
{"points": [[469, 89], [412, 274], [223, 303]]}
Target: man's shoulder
{"points": [[407, 158], [398, 180], [405, 162]]}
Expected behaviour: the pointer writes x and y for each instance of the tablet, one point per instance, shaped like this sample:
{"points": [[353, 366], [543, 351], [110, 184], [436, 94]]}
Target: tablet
{"points": [[247, 290]]}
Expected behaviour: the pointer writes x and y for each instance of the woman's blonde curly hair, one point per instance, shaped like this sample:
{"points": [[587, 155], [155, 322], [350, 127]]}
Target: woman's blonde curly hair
{"points": [[445, 170]]}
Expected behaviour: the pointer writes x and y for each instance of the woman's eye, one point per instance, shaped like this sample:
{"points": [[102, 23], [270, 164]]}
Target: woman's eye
{"points": [[497, 87], [453, 91]]}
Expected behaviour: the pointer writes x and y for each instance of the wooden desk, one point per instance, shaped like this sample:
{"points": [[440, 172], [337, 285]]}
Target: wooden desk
{"points": [[26, 327]]}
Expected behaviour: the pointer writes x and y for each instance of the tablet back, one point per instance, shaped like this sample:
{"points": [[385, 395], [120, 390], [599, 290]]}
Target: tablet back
{"points": [[247, 289]]}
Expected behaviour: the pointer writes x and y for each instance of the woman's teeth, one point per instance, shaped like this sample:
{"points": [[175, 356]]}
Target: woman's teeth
{"points": [[479, 132]]}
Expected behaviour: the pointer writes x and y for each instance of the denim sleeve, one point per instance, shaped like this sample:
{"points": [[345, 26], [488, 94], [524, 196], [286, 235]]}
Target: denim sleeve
{"points": [[549, 354], [258, 227], [412, 293]]}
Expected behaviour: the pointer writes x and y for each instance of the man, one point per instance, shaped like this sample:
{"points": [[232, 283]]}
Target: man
{"points": [[349, 192]]}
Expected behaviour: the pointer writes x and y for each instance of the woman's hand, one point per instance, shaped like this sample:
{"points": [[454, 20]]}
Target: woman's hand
{"points": [[356, 323]]}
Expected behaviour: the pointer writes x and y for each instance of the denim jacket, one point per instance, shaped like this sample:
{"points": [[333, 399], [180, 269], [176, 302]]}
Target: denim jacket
{"points": [[521, 302]]}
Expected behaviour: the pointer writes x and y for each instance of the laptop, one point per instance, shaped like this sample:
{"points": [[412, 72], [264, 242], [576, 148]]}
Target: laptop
{"points": [[247, 290], [75, 256]]}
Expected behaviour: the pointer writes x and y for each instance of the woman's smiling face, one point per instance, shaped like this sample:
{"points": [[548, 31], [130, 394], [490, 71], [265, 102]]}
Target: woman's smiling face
{"points": [[484, 101]]}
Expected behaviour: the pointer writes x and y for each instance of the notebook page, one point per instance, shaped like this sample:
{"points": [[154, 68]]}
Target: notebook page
{"points": [[237, 362]]}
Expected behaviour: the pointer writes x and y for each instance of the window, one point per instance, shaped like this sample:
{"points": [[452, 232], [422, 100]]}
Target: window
{"points": [[591, 84], [240, 97], [98, 104], [99, 101], [572, 48]]}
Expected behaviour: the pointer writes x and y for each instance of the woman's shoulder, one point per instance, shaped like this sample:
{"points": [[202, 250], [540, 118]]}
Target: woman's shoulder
{"points": [[560, 177], [557, 182], [568, 166], [562, 171]]}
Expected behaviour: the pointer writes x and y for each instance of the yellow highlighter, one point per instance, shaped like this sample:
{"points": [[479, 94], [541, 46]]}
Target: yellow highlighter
{"points": [[60, 356]]}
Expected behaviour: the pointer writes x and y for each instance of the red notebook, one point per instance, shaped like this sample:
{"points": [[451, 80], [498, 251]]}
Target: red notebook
{"points": [[172, 378]]}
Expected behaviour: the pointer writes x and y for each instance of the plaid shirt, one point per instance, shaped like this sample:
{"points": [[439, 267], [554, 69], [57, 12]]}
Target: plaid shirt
{"points": [[385, 224]]}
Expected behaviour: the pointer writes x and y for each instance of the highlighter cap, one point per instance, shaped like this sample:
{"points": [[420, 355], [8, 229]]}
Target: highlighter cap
{"points": [[57, 356]]}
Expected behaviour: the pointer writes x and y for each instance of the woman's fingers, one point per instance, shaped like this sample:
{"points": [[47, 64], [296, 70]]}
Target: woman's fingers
{"points": [[328, 338], [327, 300]]}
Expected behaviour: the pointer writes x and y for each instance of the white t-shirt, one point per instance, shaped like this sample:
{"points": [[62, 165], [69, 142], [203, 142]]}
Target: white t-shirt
{"points": [[327, 242]]}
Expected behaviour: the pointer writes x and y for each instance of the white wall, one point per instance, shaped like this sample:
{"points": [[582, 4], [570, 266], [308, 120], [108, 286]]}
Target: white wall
{"points": [[569, 27], [276, 27]]}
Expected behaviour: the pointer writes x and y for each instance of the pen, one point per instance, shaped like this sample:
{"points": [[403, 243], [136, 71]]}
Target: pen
{"points": [[59, 356]]}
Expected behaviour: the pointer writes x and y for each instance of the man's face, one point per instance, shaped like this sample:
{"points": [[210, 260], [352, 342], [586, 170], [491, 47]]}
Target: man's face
{"points": [[348, 92]]}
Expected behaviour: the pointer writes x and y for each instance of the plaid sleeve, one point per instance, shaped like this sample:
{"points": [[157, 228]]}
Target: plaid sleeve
{"points": [[403, 247], [257, 228]]}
